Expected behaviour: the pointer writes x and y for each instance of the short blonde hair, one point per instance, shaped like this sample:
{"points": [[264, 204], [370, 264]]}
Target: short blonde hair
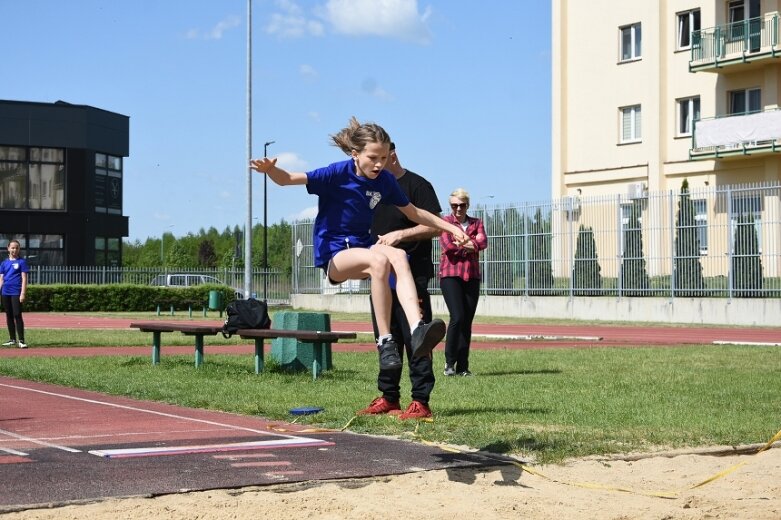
{"points": [[460, 193]]}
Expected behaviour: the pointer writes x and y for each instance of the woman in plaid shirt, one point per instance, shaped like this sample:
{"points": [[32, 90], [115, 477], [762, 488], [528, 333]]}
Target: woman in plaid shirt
{"points": [[459, 279]]}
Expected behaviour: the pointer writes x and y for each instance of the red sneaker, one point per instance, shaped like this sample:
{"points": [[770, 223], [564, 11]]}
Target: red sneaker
{"points": [[416, 410], [379, 406]]}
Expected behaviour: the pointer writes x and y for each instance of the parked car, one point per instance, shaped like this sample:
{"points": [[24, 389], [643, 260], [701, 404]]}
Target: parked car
{"points": [[189, 280]]}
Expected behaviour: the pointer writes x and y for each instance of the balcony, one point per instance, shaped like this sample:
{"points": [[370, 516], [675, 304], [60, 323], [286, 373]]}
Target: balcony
{"points": [[743, 42], [737, 135]]}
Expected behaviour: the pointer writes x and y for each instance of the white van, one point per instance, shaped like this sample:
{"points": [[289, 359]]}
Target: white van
{"points": [[189, 280]]}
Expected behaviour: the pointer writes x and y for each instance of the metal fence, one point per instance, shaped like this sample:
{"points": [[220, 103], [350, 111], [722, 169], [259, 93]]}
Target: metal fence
{"points": [[275, 283], [715, 242]]}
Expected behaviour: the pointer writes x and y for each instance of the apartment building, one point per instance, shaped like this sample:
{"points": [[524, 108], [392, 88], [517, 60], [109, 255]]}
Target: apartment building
{"points": [[649, 93]]}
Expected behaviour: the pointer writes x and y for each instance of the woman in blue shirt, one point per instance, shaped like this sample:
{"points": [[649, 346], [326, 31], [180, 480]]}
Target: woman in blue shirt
{"points": [[348, 192], [13, 288]]}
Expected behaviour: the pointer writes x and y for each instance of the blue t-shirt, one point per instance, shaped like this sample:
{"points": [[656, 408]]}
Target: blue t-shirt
{"points": [[345, 207], [12, 275]]}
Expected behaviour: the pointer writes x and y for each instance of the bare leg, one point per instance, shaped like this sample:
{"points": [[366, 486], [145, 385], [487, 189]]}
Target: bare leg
{"points": [[359, 263], [405, 285]]}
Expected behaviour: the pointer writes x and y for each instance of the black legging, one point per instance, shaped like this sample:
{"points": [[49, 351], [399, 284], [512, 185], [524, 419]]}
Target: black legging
{"points": [[421, 372], [461, 299], [13, 316]]}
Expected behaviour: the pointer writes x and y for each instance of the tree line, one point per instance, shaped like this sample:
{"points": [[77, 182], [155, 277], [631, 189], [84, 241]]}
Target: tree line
{"points": [[212, 249]]}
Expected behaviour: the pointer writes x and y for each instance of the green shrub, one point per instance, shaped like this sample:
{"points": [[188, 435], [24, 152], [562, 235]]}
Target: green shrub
{"points": [[746, 262], [587, 274], [688, 268], [118, 297]]}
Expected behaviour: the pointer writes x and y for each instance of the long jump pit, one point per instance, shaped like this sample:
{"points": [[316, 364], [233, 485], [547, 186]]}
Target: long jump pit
{"points": [[60, 445]]}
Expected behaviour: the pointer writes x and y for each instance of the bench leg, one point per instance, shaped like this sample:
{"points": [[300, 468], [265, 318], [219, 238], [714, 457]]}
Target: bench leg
{"points": [[258, 355], [155, 348], [198, 350], [319, 355]]}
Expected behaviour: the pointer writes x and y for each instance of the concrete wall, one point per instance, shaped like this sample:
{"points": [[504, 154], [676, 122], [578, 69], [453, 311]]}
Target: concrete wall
{"points": [[694, 311]]}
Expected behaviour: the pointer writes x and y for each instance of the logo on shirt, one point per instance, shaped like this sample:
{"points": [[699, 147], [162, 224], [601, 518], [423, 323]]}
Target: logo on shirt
{"points": [[374, 198]]}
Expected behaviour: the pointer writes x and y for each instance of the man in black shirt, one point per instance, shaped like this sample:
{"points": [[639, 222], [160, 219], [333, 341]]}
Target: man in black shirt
{"points": [[391, 227]]}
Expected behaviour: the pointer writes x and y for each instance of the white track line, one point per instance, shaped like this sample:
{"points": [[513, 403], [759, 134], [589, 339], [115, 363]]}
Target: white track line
{"points": [[296, 439], [750, 343], [37, 441], [14, 452], [538, 337], [152, 412]]}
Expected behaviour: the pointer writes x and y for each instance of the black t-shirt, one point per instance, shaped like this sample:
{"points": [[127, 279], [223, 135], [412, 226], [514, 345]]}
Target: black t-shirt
{"points": [[388, 218]]}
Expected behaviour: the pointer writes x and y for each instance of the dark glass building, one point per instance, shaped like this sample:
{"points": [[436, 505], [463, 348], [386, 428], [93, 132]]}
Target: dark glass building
{"points": [[61, 182]]}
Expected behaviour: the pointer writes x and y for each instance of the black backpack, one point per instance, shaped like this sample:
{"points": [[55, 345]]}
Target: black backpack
{"points": [[245, 314]]}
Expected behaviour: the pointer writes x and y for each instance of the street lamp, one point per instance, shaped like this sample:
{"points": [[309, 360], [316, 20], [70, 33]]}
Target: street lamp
{"points": [[248, 236], [265, 226]]}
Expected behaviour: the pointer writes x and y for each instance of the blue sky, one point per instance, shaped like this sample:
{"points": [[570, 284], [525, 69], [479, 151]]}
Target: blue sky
{"points": [[464, 92]]}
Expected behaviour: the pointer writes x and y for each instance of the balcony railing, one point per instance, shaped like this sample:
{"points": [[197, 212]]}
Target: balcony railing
{"points": [[741, 134], [738, 42]]}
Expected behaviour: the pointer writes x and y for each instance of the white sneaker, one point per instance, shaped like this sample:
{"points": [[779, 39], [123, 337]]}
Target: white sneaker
{"points": [[10, 343], [22, 344]]}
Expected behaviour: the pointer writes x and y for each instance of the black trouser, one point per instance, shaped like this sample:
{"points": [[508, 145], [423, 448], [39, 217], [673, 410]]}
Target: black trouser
{"points": [[13, 316], [421, 372], [461, 300]]}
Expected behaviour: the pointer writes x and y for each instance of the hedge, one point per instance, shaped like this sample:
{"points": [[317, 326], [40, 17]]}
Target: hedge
{"points": [[118, 297]]}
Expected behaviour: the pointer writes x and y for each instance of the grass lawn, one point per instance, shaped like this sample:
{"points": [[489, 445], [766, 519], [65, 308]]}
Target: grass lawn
{"points": [[548, 404]]}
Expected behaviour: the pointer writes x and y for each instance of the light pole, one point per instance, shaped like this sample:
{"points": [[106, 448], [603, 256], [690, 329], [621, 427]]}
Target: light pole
{"points": [[265, 226], [248, 236]]}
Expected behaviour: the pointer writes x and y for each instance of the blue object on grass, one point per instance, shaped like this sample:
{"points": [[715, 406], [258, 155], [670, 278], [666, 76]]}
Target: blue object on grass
{"points": [[306, 410]]}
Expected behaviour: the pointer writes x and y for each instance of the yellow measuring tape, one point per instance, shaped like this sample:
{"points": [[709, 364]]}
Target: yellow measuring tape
{"points": [[524, 467], [590, 485]]}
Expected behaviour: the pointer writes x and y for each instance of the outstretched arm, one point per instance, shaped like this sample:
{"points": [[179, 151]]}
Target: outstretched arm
{"points": [[422, 216], [278, 175], [413, 234]]}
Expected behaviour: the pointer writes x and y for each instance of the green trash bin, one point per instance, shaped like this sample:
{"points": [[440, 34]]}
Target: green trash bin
{"points": [[294, 355], [215, 301]]}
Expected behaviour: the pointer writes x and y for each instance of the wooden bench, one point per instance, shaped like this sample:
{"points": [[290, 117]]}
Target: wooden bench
{"points": [[171, 305], [157, 328]]}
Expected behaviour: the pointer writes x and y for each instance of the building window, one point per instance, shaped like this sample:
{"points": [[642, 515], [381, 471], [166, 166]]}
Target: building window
{"points": [[47, 178], [688, 112], [631, 42], [39, 249], [32, 178], [744, 206], [108, 251], [631, 124], [108, 184], [13, 177], [631, 220], [745, 101], [688, 22], [744, 32], [701, 223]]}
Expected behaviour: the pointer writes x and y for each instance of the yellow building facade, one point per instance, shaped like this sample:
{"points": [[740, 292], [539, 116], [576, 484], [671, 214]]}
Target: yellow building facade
{"points": [[646, 94]]}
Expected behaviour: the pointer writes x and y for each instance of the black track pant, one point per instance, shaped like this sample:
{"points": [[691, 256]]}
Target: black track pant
{"points": [[461, 300], [421, 372], [13, 316]]}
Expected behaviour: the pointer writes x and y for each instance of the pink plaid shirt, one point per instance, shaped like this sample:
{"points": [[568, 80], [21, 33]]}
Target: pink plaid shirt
{"points": [[457, 261]]}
